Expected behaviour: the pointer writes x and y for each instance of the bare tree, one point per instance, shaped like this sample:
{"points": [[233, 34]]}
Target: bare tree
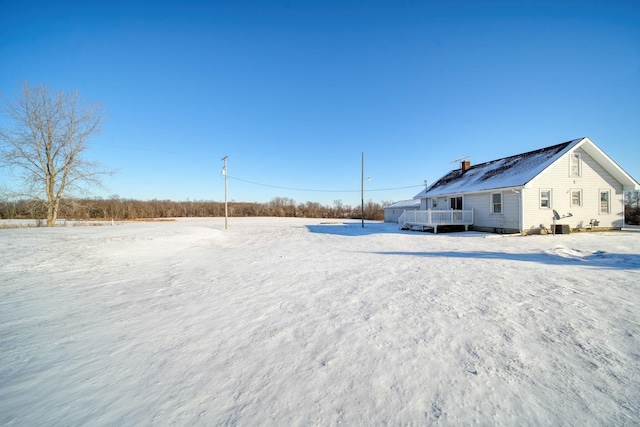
{"points": [[43, 136]]}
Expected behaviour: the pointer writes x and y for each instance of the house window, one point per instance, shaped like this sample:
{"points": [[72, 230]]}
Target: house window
{"points": [[545, 199], [576, 198], [434, 202], [604, 201], [496, 203], [575, 165], [456, 203]]}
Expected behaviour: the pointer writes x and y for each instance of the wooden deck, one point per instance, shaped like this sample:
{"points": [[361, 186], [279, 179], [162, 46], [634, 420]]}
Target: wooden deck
{"points": [[434, 218]]}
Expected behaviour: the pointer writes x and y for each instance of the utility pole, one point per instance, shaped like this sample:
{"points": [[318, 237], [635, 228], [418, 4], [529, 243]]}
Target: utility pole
{"points": [[362, 190], [226, 190]]}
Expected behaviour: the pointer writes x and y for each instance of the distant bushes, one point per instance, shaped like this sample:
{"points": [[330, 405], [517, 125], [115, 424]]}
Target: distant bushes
{"points": [[129, 209]]}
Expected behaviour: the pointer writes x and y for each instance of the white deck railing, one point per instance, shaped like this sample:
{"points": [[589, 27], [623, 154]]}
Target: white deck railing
{"points": [[434, 218]]}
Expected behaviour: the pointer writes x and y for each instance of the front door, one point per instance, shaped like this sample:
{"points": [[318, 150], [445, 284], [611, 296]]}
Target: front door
{"points": [[456, 205]]}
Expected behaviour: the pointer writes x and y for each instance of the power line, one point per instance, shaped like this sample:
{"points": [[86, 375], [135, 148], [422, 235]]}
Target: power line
{"points": [[138, 148], [321, 190]]}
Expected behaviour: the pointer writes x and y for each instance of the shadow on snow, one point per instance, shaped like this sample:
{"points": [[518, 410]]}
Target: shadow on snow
{"points": [[354, 228], [351, 228], [596, 259]]}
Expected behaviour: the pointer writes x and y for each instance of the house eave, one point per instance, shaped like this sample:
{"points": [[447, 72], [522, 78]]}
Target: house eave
{"points": [[428, 195], [627, 181]]}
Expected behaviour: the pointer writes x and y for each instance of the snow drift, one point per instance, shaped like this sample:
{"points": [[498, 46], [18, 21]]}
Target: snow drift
{"points": [[296, 322]]}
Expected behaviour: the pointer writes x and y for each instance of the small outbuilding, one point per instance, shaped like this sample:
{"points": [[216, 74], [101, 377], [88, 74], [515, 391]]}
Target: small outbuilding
{"points": [[393, 212]]}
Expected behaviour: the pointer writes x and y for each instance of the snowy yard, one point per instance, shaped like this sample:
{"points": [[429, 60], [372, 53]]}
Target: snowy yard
{"points": [[295, 322]]}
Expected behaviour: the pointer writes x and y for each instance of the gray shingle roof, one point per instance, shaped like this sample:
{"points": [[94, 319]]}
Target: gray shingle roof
{"points": [[512, 171]]}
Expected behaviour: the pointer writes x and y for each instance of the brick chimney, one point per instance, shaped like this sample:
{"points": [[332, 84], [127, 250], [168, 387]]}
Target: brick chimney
{"points": [[466, 164]]}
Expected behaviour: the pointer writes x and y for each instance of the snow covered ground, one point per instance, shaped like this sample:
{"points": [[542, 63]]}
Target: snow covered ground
{"points": [[296, 322]]}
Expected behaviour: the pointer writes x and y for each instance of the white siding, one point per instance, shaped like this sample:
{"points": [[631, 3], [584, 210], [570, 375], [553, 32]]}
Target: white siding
{"points": [[593, 179], [442, 203], [483, 217], [393, 212]]}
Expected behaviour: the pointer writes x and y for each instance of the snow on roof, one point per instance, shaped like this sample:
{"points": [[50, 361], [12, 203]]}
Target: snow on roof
{"points": [[513, 171], [404, 204]]}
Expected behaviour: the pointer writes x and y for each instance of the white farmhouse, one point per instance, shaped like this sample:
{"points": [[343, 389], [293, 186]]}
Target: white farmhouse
{"points": [[575, 182]]}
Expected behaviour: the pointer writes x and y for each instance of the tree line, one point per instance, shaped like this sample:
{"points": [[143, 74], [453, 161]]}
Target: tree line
{"points": [[118, 208]]}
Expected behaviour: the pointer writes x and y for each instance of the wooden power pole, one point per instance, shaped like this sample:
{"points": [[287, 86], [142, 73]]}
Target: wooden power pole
{"points": [[226, 191]]}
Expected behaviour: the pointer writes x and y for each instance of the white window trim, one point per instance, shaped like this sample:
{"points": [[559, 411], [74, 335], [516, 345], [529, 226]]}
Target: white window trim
{"points": [[579, 190], [491, 204], [543, 190], [579, 155], [600, 202]]}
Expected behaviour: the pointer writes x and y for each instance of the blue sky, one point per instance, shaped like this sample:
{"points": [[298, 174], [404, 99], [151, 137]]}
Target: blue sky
{"points": [[294, 91]]}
